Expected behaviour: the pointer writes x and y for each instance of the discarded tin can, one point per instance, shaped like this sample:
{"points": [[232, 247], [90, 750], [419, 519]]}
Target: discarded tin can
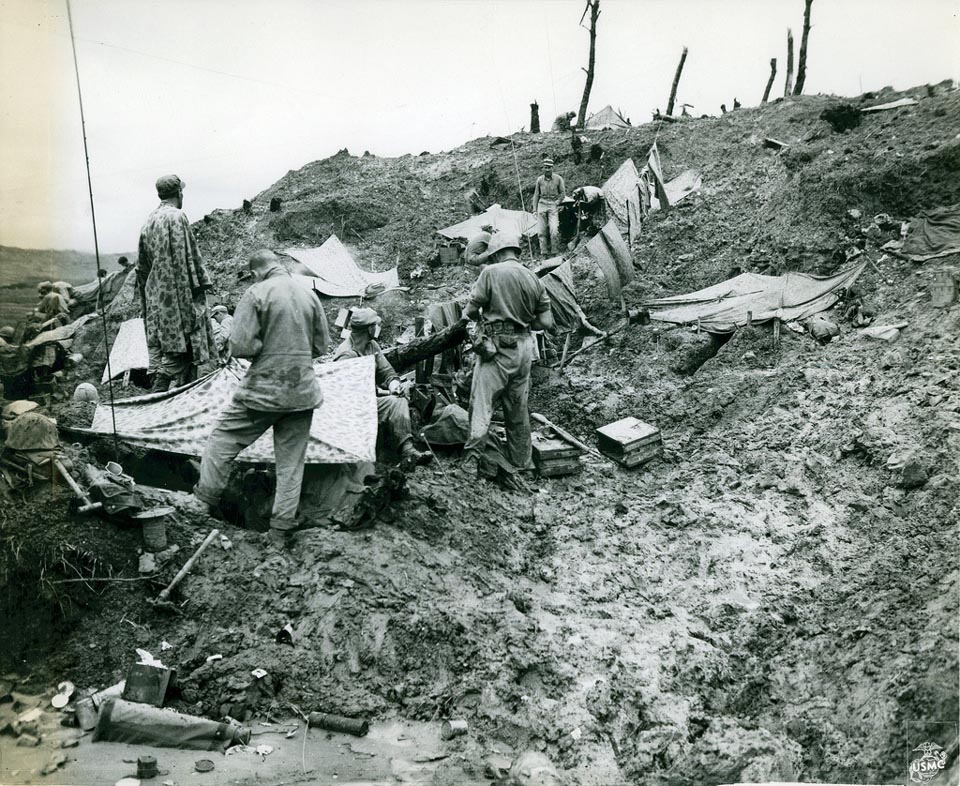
{"points": [[453, 728], [86, 713], [355, 726], [146, 767], [154, 525]]}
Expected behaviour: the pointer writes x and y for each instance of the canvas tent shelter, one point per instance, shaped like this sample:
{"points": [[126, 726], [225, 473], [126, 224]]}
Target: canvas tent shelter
{"points": [[606, 118], [336, 274], [129, 350], [344, 428], [497, 217], [723, 307], [935, 234]]}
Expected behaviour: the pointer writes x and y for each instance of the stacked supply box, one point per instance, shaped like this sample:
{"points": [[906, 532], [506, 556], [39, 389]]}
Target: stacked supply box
{"points": [[630, 441], [553, 457]]}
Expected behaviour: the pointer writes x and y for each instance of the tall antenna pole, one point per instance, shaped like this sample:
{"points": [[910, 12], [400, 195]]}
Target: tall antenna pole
{"points": [[96, 244]]}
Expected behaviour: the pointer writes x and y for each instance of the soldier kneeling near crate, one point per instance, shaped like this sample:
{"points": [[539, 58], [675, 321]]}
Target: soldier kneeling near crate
{"points": [[393, 409]]}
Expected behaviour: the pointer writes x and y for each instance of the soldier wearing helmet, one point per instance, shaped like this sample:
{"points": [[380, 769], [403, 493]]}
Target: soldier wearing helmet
{"points": [[507, 300]]}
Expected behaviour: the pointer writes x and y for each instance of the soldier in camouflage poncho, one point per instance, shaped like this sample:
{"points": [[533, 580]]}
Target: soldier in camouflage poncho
{"points": [[173, 282]]}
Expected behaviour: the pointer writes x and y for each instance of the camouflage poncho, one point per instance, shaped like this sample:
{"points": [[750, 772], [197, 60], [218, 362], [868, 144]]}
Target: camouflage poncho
{"points": [[172, 282]]}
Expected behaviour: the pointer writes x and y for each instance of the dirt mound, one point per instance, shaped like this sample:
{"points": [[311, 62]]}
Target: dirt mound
{"points": [[774, 599]]}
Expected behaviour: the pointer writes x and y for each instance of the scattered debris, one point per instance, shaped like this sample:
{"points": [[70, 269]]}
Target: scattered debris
{"points": [[147, 683], [146, 767], [884, 332], [774, 144], [65, 691], [163, 600], [322, 720], [453, 728], [130, 722], [890, 105]]}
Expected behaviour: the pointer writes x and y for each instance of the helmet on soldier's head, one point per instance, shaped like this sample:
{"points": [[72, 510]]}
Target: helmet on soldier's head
{"points": [[505, 238], [364, 317]]}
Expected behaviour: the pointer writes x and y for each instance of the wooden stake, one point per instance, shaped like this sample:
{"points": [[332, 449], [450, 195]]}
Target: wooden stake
{"points": [[566, 348], [676, 82], [421, 368]]}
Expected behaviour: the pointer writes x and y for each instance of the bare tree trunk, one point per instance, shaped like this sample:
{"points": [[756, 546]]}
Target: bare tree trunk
{"points": [[788, 85], [676, 82], [594, 7], [773, 74], [534, 118], [802, 60]]}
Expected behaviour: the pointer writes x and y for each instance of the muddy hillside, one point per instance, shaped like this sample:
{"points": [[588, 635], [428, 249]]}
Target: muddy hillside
{"points": [[776, 598]]}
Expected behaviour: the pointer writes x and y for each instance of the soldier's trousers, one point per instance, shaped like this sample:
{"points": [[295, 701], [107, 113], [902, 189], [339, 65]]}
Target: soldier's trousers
{"points": [[240, 427], [504, 380], [548, 228], [393, 418]]}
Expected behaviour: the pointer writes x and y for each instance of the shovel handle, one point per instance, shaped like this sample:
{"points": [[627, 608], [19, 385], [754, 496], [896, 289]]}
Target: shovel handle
{"points": [[165, 594]]}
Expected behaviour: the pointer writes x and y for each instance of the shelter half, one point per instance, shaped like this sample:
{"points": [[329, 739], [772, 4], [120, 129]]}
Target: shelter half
{"points": [[336, 274], [607, 117], [343, 430], [751, 297], [498, 217]]}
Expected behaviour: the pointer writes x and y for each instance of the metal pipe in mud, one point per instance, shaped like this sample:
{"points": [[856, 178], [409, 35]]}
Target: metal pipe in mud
{"points": [[322, 720]]}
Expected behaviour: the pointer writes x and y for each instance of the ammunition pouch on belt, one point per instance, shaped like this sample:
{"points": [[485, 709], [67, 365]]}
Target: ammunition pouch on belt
{"points": [[483, 346], [493, 335]]}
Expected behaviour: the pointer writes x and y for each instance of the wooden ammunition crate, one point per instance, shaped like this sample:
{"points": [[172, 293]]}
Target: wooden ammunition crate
{"points": [[630, 441], [554, 457]]}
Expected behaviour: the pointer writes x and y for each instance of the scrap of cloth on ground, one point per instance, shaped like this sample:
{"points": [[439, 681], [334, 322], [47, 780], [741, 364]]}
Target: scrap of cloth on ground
{"points": [[129, 350], [499, 218], [344, 427], [725, 306], [935, 234], [335, 273]]}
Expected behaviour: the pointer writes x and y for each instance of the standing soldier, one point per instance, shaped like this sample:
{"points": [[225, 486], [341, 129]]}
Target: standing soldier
{"points": [[173, 282], [508, 300], [547, 194], [280, 328]]}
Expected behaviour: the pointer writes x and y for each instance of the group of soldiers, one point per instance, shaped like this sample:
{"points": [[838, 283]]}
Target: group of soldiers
{"points": [[280, 327], [52, 311]]}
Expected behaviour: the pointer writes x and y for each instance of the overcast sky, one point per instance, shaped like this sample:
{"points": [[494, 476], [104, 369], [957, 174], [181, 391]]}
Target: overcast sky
{"points": [[230, 94]]}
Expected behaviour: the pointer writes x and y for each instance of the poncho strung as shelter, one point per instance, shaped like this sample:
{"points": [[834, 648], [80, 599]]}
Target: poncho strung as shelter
{"points": [[172, 282]]}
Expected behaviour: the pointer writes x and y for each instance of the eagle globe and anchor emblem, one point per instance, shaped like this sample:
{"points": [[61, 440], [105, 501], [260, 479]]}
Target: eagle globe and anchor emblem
{"points": [[929, 765]]}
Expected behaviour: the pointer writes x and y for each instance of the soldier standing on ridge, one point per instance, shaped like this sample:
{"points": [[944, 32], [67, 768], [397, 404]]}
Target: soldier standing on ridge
{"points": [[547, 194], [173, 282]]}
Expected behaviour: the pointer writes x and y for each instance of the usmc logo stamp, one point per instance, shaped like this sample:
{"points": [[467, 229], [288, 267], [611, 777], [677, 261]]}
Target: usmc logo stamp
{"points": [[929, 764]]}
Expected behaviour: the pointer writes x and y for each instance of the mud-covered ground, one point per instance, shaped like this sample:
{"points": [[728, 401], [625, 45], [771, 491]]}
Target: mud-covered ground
{"points": [[775, 599]]}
